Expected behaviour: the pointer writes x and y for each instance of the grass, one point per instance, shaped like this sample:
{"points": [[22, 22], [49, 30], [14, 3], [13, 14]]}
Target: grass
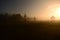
{"points": [[31, 31]]}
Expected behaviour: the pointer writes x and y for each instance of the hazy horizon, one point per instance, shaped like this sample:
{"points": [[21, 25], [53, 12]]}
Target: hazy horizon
{"points": [[41, 9]]}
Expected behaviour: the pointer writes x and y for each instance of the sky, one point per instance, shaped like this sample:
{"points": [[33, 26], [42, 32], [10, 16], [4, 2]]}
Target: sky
{"points": [[41, 9]]}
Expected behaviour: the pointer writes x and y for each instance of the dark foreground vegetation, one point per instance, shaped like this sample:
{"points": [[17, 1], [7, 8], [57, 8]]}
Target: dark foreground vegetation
{"points": [[17, 27]]}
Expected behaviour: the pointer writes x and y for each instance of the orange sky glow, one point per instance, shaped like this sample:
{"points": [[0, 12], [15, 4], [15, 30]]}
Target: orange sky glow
{"points": [[46, 10]]}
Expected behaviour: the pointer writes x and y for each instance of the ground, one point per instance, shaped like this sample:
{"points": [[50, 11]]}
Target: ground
{"points": [[30, 31]]}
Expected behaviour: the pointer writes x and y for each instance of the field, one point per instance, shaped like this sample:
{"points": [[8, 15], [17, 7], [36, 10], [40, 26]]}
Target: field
{"points": [[30, 31]]}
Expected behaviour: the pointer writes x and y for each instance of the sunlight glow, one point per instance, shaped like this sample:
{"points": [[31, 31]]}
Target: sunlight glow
{"points": [[58, 12]]}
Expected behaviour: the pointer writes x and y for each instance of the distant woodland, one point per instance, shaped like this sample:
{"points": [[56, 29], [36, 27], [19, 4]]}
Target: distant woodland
{"points": [[14, 18]]}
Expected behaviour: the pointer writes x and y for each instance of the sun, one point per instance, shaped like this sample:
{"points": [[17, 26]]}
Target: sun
{"points": [[58, 11]]}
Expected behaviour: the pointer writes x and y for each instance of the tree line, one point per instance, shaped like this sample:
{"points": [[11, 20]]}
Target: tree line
{"points": [[14, 18]]}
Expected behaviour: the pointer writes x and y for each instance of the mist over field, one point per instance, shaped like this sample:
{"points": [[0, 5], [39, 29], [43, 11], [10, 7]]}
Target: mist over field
{"points": [[30, 19], [17, 27]]}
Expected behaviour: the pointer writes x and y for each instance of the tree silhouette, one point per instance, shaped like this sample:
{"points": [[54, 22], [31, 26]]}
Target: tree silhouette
{"points": [[52, 18], [18, 17], [6, 14], [34, 18], [25, 17]]}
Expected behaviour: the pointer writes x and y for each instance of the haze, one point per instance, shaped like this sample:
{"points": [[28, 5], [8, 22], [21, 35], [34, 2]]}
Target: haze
{"points": [[41, 9]]}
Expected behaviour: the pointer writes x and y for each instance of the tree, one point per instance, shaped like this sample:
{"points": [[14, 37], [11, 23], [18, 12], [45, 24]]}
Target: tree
{"points": [[34, 18], [6, 14], [25, 17], [52, 18]]}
